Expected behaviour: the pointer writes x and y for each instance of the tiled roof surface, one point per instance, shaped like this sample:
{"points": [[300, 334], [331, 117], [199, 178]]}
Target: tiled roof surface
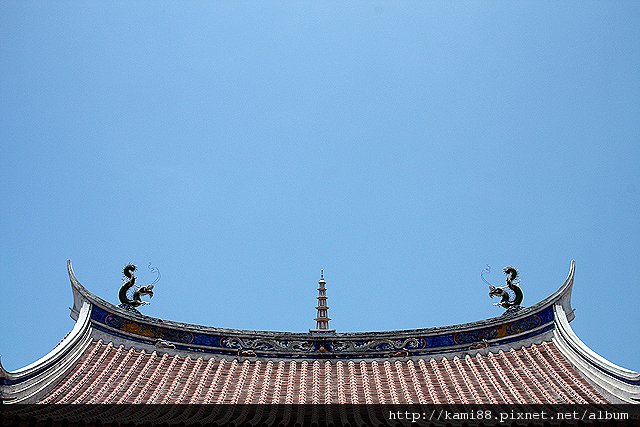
{"points": [[538, 373]]}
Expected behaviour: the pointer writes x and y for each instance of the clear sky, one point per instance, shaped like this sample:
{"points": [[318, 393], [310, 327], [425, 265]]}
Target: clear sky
{"points": [[242, 146]]}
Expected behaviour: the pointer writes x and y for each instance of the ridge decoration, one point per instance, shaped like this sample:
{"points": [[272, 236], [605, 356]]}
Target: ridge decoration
{"points": [[511, 294], [129, 280]]}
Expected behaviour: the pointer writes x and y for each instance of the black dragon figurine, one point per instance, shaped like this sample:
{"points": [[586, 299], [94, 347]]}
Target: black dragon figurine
{"points": [[510, 302], [129, 282]]}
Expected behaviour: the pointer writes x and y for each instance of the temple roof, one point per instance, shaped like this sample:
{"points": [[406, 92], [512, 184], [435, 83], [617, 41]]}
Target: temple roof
{"points": [[114, 374], [116, 355]]}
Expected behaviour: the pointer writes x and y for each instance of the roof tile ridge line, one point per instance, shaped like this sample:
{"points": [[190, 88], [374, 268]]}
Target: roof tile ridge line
{"points": [[441, 381], [368, 396], [103, 373], [241, 419], [277, 383], [176, 380], [558, 390], [266, 382], [454, 380], [200, 385], [155, 394], [69, 381], [567, 334], [107, 349], [315, 390], [289, 398], [377, 379], [59, 390], [328, 390], [519, 361], [290, 382], [214, 382], [315, 380], [572, 394], [521, 380], [393, 392], [430, 389], [520, 399], [225, 386], [493, 379], [240, 382], [342, 397], [116, 372], [192, 374], [353, 382], [353, 385], [403, 382], [210, 415], [483, 384], [575, 380], [302, 391], [416, 382], [234, 399], [263, 392], [130, 371], [277, 386], [366, 390], [253, 382], [467, 380], [154, 374], [80, 411], [262, 399]]}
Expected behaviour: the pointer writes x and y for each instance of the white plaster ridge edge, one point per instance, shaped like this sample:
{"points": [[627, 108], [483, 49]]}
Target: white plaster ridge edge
{"points": [[594, 367], [52, 365]]}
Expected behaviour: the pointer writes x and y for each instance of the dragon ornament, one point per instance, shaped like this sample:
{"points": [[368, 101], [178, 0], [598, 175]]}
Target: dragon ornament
{"points": [[510, 295], [129, 280]]}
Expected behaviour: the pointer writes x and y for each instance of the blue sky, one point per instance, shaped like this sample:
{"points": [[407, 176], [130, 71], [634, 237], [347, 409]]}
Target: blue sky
{"points": [[242, 146]]}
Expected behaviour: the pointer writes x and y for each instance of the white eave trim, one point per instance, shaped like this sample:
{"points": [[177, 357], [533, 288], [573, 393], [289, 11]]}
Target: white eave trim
{"points": [[25, 383], [68, 342], [613, 379]]}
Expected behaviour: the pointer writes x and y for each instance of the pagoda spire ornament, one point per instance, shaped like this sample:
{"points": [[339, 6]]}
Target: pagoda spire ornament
{"points": [[322, 318]]}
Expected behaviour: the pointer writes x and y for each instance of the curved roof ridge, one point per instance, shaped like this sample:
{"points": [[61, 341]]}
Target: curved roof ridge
{"points": [[29, 380], [563, 294], [539, 335], [620, 382]]}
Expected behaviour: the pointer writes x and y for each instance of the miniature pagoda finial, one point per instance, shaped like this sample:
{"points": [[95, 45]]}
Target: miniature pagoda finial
{"points": [[507, 301], [322, 318], [129, 281]]}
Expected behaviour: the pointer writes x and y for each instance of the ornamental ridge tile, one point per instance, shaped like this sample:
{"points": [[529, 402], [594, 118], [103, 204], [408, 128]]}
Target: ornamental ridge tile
{"points": [[183, 336]]}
